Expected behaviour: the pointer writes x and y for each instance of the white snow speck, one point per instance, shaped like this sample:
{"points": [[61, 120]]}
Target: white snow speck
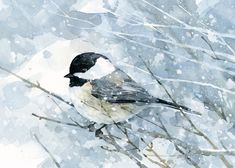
{"points": [[212, 37], [53, 29], [178, 71]]}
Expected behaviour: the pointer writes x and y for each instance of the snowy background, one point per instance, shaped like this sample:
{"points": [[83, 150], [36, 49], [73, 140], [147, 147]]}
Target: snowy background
{"points": [[188, 45]]}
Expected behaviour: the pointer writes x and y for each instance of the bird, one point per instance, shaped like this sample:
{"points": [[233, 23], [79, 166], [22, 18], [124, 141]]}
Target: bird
{"points": [[105, 94]]}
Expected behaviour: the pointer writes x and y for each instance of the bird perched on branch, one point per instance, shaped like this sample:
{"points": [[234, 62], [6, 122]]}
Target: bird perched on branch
{"points": [[105, 94]]}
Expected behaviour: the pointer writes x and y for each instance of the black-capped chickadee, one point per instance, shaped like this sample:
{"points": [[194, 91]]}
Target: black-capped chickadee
{"points": [[105, 94]]}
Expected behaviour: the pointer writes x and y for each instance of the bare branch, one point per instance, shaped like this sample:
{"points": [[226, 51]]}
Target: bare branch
{"points": [[58, 121], [49, 153], [214, 55], [111, 140], [33, 85], [177, 147], [150, 149]]}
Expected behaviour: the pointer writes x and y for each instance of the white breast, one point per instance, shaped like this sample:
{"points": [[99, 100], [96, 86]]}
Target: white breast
{"points": [[97, 110], [101, 68]]}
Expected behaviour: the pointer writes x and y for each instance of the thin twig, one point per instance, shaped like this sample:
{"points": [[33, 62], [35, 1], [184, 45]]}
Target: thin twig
{"points": [[58, 121], [150, 149], [49, 153], [110, 139], [214, 55], [176, 145], [33, 85]]}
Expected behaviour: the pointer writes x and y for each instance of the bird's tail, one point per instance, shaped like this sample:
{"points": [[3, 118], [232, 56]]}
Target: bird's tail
{"points": [[176, 106]]}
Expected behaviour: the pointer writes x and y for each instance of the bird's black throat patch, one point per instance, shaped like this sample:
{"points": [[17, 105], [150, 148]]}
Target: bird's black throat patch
{"points": [[76, 81]]}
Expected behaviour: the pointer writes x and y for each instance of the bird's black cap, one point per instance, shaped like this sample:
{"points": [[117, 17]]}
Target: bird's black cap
{"points": [[83, 62], [80, 64]]}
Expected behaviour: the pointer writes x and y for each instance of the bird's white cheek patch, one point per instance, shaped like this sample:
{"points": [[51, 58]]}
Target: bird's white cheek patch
{"points": [[101, 68]]}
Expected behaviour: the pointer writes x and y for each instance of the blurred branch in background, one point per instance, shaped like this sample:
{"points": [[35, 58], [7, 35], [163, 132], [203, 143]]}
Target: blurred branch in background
{"points": [[47, 151]]}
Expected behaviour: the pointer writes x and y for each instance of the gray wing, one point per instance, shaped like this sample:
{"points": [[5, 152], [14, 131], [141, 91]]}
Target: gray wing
{"points": [[118, 87]]}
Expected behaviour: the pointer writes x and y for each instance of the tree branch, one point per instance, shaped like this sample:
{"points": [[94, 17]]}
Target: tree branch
{"points": [[49, 153], [33, 85]]}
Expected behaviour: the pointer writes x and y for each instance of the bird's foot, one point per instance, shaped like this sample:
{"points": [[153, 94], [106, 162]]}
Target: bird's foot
{"points": [[98, 132], [91, 127]]}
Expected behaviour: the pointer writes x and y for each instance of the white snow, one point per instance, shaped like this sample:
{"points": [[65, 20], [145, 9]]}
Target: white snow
{"points": [[28, 156], [91, 6]]}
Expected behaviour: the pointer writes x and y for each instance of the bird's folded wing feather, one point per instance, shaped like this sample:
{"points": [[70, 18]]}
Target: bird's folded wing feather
{"points": [[118, 87]]}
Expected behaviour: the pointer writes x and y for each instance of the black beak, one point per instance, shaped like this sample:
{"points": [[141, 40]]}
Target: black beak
{"points": [[68, 76]]}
